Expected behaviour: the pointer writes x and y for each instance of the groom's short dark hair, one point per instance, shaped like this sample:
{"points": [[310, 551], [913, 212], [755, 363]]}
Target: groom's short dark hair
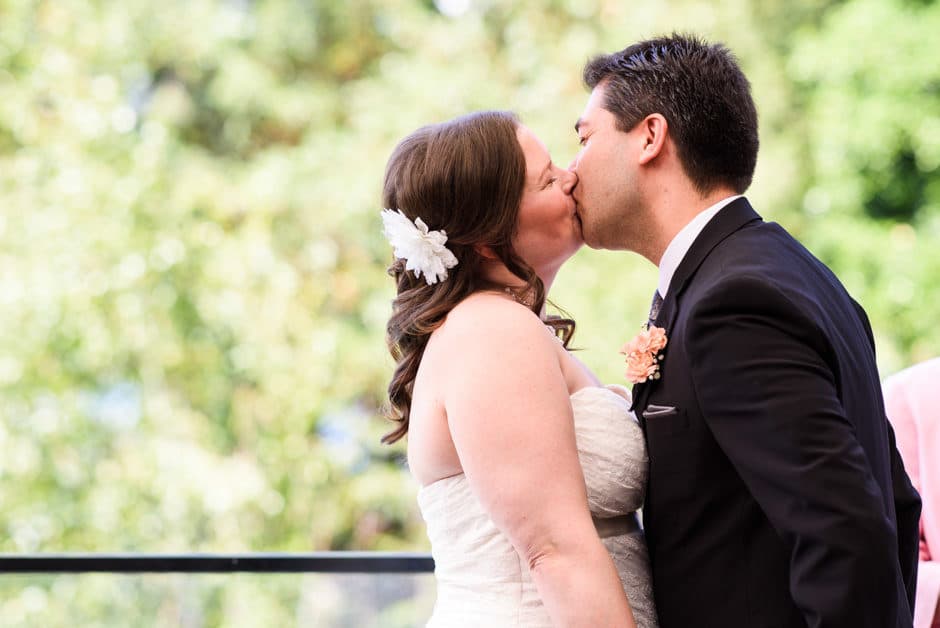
{"points": [[700, 90]]}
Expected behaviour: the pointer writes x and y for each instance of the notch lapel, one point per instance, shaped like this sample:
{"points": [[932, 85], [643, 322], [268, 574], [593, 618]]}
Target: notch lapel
{"points": [[729, 219]]}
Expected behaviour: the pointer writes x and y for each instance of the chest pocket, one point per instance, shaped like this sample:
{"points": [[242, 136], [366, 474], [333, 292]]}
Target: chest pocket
{"points": [[676, 453]]}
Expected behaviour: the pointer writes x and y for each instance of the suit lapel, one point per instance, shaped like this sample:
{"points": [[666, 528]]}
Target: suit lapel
{"points": [[730, 219]]}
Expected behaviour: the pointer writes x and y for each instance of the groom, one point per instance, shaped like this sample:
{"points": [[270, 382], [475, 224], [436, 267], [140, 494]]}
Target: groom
{"points": [[776, 495]]}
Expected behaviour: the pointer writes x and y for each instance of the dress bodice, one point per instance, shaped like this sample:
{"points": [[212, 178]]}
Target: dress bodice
{"points": [[481, 580]]}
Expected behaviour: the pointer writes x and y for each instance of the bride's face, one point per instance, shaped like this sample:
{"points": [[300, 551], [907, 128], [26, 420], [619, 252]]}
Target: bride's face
{"points": [[548, 230]]}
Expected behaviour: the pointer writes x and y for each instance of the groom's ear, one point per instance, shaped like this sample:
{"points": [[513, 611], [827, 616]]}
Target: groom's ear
{"points": [[653, 129]]}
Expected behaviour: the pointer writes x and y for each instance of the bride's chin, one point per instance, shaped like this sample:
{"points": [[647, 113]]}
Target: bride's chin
{"points": [[575, 247]]}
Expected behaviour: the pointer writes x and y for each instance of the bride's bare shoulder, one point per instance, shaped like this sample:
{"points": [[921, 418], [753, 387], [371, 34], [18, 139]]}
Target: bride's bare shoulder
{"points": [[484, 336], [488, 315]]}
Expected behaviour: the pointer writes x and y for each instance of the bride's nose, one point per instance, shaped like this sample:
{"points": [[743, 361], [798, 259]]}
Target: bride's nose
{"points": [[568, 180]]}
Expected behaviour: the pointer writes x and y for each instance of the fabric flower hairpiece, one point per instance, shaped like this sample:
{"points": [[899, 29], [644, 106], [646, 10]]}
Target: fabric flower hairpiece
{"points": [[423, 251], [644, 354]]}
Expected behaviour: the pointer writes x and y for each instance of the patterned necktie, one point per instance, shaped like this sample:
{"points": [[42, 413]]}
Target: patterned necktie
{"points": [[654, 307]]}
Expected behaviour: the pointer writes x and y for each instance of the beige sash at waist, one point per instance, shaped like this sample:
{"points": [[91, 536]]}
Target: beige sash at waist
{"points": [[616, 526]]}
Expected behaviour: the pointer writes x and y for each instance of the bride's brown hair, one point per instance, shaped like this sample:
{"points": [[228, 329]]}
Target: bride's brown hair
{"points": [[466, 177]]}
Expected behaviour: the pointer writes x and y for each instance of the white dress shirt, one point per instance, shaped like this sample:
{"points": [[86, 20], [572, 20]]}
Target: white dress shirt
{"points": [[680, 244]]}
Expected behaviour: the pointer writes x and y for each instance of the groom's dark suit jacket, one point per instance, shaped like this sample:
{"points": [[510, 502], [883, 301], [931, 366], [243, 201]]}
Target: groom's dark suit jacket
{"points": [[776, 495]]}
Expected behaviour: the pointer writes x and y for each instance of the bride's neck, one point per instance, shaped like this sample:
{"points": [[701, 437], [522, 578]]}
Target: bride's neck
{"points": [[497, 273]]}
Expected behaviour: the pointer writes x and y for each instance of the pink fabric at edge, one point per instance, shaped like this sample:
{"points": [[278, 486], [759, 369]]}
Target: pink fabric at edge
{"points": [[912, 400]]}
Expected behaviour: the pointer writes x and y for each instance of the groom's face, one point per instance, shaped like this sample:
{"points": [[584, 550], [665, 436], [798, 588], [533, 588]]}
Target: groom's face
{"points": [[607, 194]]}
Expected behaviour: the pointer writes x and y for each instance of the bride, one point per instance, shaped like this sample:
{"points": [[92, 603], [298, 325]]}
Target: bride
{"points": [[530, 470]]}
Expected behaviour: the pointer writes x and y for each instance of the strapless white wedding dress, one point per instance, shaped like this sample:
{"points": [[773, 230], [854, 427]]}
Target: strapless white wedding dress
{"points": [[481, 581]]}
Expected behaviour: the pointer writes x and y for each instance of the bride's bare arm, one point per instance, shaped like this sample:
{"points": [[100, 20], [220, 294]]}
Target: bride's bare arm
{"points": [[510, 418]]}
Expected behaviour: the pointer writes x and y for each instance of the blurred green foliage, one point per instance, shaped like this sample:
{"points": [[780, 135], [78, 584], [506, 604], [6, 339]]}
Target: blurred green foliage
{"points": [[192, 285], [230, 600]]}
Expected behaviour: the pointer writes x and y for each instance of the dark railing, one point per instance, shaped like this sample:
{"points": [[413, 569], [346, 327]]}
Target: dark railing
{"points": [[318, 562]]}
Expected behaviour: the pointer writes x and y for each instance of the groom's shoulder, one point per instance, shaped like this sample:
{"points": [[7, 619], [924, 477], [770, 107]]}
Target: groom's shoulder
{"points": [[762, 247], [764, 262]]}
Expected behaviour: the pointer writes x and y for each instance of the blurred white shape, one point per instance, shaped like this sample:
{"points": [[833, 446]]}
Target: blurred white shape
{"points": [[232, 482], [324, 343], [25, 537], [221, 483], [56, 62], [23, 457], [164, 295], [46, 415], [261, 257], [11, 370], [104, 87], [167, 253], [340, 432], [244, 357], [272, 503], [230, 305], [11, 289], [816, 201], [322, 254], [927, 143], [129, 306], [375, 312], [97, 283], [582, 8], [25, 167], [105, 503], [132, 268], [34, 599], [125, 191], [901, 290], [209, 234], [284, 279], [123, 119], [71, 181], [118, 406], [88, 119], [70, 469], [266, 183], [153, 132], [453, 8]]}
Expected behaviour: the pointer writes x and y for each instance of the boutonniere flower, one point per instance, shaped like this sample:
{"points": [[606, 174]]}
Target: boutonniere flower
{"points": [[644, 353]]}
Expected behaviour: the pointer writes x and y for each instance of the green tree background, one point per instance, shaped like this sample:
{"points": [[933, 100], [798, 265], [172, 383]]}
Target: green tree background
{"points": [[192, 277]]}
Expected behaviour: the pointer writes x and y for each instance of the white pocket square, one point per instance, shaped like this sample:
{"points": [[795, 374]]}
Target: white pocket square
{"points": [[652, 411]]}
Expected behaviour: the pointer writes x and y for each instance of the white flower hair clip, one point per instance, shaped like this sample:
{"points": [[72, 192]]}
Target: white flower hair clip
{"points": [[423, 251]]}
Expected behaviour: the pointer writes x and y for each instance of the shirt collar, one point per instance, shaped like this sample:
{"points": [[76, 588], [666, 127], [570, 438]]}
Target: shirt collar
{"points": [[681, 244]]}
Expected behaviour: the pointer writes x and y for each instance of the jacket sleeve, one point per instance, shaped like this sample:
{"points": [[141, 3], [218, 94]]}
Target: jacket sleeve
{"points": [[770, 397]]}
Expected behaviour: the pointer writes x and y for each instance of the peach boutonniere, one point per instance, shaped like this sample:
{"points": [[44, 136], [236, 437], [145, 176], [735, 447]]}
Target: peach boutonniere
{"points": [[644, 354]]}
